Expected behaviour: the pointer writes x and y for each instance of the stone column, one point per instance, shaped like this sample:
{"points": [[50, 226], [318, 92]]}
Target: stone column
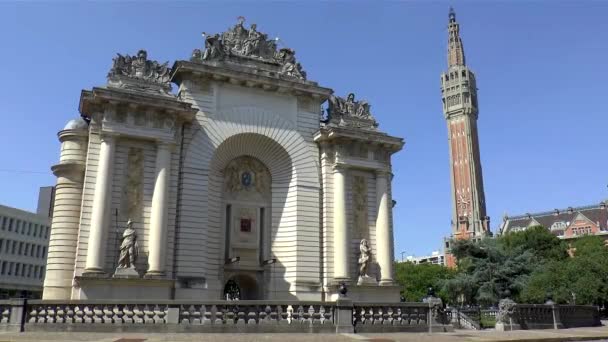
{"points": [[66, 214], [341, 242], [383, 229], [157, 244], [101, 207]]}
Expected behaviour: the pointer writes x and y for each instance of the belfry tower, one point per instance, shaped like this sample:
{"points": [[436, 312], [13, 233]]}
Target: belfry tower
{"points": [[459, 96]]}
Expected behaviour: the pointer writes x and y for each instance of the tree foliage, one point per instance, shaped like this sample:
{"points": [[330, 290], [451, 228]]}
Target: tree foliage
{"points": [[416, 279], [528, 266], [581, 279]]}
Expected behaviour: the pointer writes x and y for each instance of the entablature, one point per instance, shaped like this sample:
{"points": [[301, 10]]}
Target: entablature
{"points": [[346, 136], [247, 77], [135, 115]]}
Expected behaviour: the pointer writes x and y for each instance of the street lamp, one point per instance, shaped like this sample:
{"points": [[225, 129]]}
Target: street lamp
{"points": [[272, 275], [233, 260]]}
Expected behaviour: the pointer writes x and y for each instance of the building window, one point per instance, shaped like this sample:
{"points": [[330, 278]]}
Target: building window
{"points": [[41, 272], [4, 223], [38, 251], [44, 252], [20, 248], [32, 250], [29, 271], [586, 230], [23, 224], [27, 249], [17, 269], [29, 229], [46, 232], [1, 245], [10, 268], [36, 271], [14, 248], [35, 229], [3, 270], [10, 225]]}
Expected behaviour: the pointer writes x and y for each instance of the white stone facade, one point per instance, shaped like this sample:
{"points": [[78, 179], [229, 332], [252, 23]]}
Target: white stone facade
{"points": [[238, 165]]}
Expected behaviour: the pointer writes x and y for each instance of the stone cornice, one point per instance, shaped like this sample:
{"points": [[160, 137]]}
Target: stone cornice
{"points": [[92, 101], [248, 77], [68, 167], [339, 135]]}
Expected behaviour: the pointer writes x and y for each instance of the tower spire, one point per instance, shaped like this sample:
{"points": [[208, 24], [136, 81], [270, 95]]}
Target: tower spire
{"points": [[455, 48], [459, 97]]}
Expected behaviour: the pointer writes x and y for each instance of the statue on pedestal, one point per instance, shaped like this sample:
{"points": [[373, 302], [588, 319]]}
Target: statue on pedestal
{"points": [[128, 253], [365, 259]]}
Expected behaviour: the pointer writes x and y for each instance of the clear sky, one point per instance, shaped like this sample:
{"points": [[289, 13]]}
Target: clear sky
{"points": [[540, 65]]}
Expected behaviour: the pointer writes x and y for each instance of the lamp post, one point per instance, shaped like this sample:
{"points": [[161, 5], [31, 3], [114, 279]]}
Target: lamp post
{"points": [[272, 274], [233, 260]]}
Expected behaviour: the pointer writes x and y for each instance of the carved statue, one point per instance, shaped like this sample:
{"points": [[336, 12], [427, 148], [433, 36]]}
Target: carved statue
{"points": [[239, 41], [214, 48], [140, 68], [350, 112], [128, 247], [252, 42], [289, 65], [365, 258], [506, 308]]}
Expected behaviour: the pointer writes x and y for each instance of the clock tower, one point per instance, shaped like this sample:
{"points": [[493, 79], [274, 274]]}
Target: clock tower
{"points": [[459, 96]]}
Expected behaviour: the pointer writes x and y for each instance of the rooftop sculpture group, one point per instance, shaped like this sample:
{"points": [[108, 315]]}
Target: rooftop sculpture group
{"points": [[139, 68], [348, 112], [242, 42]]}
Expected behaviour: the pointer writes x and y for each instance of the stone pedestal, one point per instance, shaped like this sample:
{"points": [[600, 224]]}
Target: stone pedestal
{"points": [[123, 288], [127, 273], [506, 326], [366, 280], [368, 293], [344, 316]]}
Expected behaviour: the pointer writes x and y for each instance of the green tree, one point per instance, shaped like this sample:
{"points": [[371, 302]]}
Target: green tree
{"points": [[542, 243], [416, 279], [488, 272], [582, 279]]}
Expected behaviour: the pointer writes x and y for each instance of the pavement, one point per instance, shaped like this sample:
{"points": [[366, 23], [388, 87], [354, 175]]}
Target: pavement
{"points": [[575, 334]]}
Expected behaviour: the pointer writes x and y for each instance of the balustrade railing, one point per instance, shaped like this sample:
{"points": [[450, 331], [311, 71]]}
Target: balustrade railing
{"points": [[42, 313], [240, 312], [5, 312], [534, 316], [267, 316], [371, 317]]}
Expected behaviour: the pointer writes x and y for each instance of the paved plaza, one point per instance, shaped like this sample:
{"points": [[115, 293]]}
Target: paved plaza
{"points": [[575, 334]]}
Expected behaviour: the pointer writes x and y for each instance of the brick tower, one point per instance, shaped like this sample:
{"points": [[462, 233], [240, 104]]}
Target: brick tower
{"points": [[459, 96]]}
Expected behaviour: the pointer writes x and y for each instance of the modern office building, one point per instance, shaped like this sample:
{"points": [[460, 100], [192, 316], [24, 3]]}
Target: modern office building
{"points": [[24, 240]]}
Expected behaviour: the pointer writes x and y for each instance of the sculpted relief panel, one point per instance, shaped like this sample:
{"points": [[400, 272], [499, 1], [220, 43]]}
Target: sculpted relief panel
{"points": [[246, 174], [360, 218], [132, 191]]}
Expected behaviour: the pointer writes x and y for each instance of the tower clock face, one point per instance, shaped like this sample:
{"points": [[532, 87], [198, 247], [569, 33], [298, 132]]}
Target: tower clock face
{"points": [[463, 203]]}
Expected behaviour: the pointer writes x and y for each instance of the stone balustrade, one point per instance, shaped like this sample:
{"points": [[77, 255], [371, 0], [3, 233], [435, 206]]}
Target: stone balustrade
{"points": [[386, 317], [342, 315]]}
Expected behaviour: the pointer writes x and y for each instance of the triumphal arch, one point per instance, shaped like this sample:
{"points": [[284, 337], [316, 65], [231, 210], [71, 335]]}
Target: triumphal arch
{"points": [[228, 175]]}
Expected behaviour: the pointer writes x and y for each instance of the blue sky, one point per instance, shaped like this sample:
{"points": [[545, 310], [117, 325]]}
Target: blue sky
{"points": [[540, 66]]}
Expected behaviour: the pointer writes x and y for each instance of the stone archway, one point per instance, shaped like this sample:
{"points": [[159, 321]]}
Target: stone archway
{"points": [[245, 285]]}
